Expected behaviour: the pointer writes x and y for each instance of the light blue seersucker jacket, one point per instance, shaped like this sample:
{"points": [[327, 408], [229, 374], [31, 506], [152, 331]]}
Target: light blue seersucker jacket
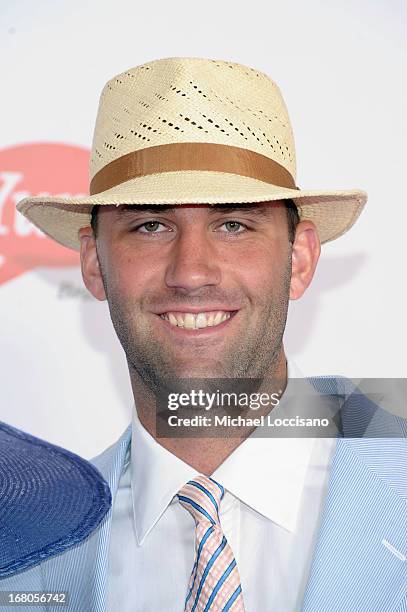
{"points": [[360, 560]]}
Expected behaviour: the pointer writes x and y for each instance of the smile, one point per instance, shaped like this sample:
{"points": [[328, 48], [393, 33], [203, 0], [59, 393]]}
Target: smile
{"points": [[199, 320]]}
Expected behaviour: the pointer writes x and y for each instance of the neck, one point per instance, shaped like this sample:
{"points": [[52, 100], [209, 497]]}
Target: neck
{"points": [[204, 454]]}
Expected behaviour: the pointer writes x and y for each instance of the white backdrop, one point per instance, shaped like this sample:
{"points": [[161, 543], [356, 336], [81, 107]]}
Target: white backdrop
{"points": [[341, 69]]}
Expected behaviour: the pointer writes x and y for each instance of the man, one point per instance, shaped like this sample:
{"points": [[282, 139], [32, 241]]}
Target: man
{"points": [[197, 235]]}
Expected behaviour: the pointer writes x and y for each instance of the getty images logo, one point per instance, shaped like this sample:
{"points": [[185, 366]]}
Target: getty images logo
{"points": [[30, 170]]}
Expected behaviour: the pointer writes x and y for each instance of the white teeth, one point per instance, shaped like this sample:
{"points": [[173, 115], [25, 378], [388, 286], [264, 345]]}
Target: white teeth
{"points": [[218, 318], [209, 319], [200, 320], [172, 319], [189, 321]]}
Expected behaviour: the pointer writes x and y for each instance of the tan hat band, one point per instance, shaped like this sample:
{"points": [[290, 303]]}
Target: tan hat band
{"points": [[180, 156]]}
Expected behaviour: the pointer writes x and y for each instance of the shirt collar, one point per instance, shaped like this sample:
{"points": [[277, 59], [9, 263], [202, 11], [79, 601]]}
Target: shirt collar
{"points": [[255, 468], [156, 476]]}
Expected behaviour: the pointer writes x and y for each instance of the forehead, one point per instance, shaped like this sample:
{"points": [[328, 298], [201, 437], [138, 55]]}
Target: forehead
{"points": [[261, 209]]}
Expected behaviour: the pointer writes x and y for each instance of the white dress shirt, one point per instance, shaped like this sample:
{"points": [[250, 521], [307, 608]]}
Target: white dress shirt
{"points": [[270, 514]]}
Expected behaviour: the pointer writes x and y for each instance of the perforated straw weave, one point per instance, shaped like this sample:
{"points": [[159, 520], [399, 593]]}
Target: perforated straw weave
{"points": [[192, 100]]}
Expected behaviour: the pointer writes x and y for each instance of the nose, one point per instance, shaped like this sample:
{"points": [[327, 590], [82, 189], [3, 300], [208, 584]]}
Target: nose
{"points": [[193, 261]]}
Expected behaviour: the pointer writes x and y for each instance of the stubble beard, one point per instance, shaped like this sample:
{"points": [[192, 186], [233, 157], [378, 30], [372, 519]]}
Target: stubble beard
{"points": [[254, 355]]}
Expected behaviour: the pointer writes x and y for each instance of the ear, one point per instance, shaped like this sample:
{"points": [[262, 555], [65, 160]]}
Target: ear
{"points": [[305, 255], [91, 272]]}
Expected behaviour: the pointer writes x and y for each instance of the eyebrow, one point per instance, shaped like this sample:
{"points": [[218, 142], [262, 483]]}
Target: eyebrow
{"points": [[257, 208]]}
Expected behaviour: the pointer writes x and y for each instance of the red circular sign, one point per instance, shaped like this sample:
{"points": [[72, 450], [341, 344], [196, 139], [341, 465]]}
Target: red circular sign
{"points": [[31, 170]]}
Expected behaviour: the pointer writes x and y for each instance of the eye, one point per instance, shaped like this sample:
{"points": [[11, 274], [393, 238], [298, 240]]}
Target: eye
{"points": [[150, 227], [234, 227]]}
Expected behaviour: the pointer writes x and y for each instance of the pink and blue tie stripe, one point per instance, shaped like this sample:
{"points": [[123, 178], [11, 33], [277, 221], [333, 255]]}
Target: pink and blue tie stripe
{"points": [[214, 584]]}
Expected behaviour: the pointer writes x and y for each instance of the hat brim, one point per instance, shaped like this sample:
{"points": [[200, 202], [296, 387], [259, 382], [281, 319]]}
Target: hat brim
{"points": [[51, 500], [333, 212]]}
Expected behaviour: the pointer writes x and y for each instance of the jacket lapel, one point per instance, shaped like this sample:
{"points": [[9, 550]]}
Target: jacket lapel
{"points": [[360, 558], [83, 570]]}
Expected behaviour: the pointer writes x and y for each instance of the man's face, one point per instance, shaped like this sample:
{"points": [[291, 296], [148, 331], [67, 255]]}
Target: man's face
{"points": [[216, 263]]}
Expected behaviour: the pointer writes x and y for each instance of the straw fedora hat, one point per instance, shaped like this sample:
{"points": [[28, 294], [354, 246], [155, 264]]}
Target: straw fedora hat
{"points": [[192, 130]]}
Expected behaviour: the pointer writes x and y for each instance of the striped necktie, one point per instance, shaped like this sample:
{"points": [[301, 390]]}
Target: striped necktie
{"points": [[214, 584]]}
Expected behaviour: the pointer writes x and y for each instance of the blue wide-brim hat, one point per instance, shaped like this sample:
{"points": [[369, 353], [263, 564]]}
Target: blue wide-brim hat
{"points": [[50, 500]]}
